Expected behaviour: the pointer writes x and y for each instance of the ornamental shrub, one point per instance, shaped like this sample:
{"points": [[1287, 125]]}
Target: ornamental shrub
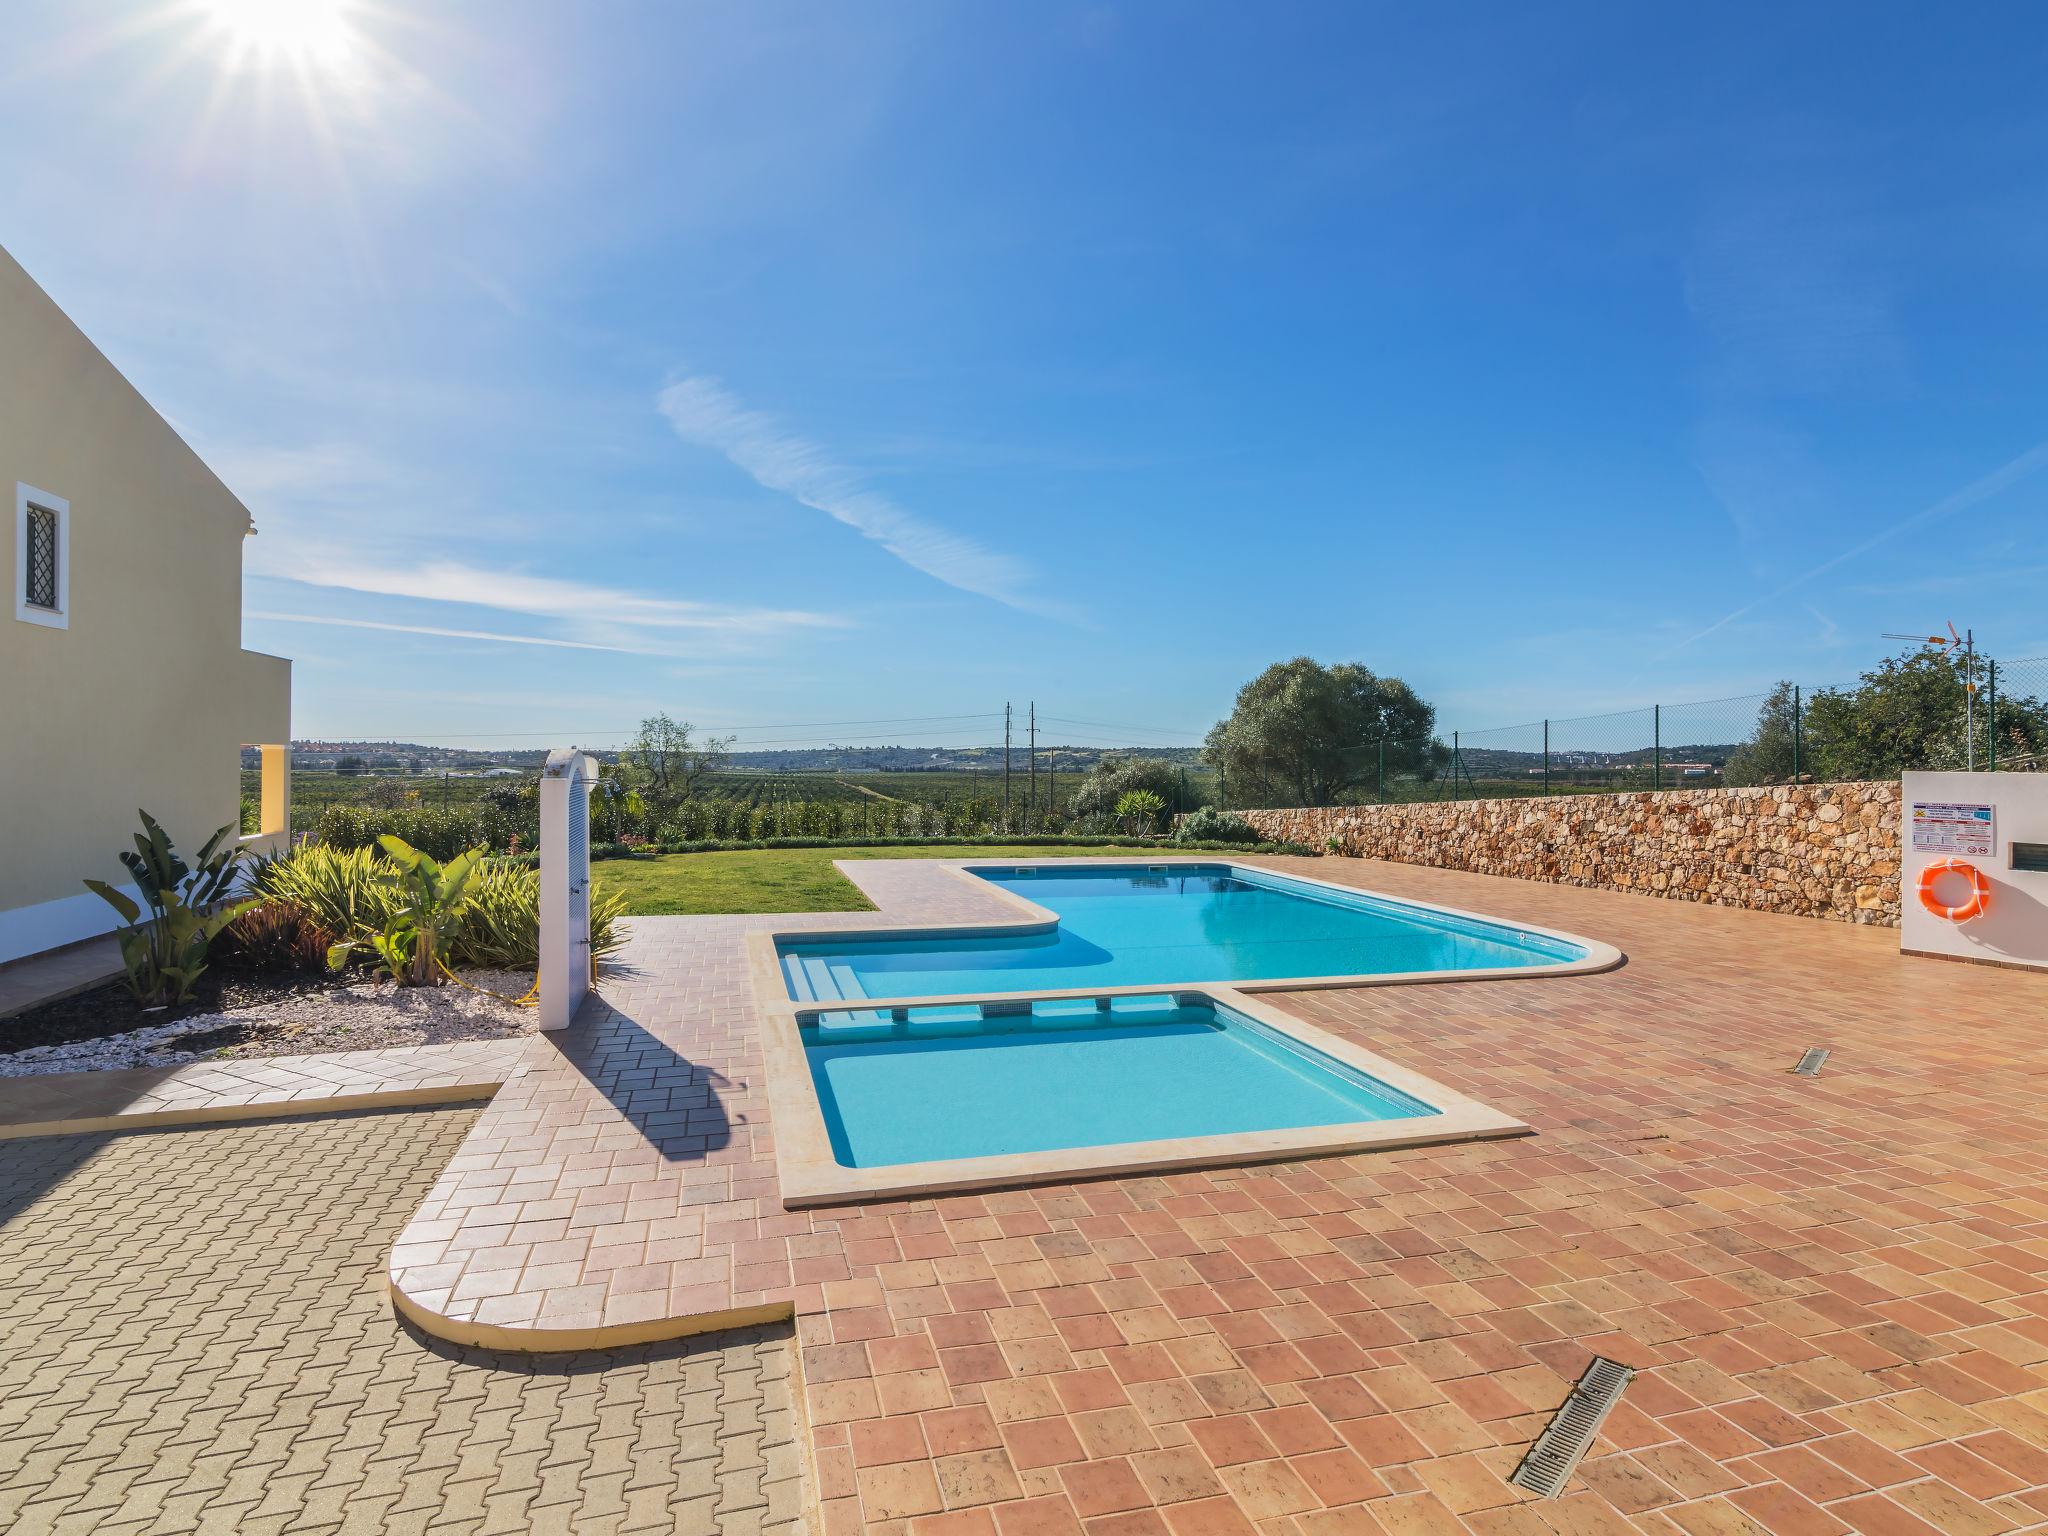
{"points": [[1209, 825]]}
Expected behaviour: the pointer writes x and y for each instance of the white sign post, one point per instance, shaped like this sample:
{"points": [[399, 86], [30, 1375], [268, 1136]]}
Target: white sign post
{"points": [[564, 884]]}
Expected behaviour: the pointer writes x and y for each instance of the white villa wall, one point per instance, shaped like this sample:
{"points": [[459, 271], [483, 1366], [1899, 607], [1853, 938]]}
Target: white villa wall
{"points": [[2014, 927]]}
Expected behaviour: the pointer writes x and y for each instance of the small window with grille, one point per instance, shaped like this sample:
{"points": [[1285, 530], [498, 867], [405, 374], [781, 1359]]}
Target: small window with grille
{"points": [[42, 558], [42, 551]]}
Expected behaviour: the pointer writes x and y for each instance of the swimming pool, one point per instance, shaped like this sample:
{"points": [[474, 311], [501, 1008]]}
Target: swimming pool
{"points": [[914, 1098], [1158, 925], [942, 1083]]}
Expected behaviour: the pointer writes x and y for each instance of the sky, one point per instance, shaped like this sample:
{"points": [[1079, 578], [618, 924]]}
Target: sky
{"points": [[842, 372]]}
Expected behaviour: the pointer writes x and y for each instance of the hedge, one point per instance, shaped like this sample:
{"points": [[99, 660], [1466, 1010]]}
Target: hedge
{"points": [[437, 832]]}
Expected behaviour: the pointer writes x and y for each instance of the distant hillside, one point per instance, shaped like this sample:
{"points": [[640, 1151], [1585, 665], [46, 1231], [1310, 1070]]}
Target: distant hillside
{"points": [[411, 756], [943, 759]]}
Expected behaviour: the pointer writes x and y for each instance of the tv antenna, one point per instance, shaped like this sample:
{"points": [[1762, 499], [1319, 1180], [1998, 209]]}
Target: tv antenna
{"points": [[1964, 645]]}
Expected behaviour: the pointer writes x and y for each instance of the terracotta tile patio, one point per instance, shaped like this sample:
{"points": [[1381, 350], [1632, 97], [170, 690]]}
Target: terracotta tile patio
{"points": [[1837, 1289]]}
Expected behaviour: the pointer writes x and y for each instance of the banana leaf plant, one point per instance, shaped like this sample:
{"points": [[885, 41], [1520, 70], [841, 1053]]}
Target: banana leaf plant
{"points": [[164, 951], [427, 911]]}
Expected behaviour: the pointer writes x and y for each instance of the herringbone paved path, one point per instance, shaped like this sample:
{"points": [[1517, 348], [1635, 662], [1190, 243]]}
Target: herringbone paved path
{"points": [[197, 1339]]}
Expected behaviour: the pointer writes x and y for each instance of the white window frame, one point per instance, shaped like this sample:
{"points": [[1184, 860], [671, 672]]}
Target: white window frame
{"points": [[26, 496]]}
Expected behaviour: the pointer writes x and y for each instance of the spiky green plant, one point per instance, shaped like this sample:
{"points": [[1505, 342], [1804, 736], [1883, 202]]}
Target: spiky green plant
{"points": [[165, 954], [500, 923], [343, 890], [1139, 808]]}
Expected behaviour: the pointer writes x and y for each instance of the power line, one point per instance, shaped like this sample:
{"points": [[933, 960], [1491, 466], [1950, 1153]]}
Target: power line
{"points": [[1111, 725]]}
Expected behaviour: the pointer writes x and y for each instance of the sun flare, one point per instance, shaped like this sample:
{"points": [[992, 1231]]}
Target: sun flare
{"points": [[304, 33]]}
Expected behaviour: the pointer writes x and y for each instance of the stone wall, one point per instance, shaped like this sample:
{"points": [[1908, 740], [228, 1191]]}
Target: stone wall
{"points": [[1817, 850]]}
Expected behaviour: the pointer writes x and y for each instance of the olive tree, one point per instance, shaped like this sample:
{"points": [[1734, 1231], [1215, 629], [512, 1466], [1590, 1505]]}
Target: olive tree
{"points": [[1306, 734], [1766, 758], [671, 760]]}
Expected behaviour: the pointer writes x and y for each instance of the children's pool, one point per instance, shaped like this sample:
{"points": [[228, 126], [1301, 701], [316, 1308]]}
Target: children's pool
{"points": [[1137, 925], [946, 1082]]}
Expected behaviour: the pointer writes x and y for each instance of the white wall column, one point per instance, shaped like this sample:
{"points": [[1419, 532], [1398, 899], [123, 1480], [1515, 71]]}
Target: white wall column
{"points": [[1997, 824], [564, 884]]}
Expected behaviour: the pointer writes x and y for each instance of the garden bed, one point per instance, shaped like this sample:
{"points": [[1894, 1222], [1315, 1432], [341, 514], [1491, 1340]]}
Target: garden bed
{"points": [[289, 1014]]}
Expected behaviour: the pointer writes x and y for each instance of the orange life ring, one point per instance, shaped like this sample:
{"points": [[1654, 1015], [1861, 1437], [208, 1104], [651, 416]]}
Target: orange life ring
{"points": [[1980, 890]]}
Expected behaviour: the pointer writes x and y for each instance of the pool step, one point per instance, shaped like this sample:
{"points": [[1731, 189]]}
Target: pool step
{"points": [[818, 980]]}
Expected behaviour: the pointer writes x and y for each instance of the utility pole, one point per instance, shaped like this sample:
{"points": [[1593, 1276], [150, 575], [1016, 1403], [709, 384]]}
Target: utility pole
{"points": [[1031, 798], [1006, 767]]}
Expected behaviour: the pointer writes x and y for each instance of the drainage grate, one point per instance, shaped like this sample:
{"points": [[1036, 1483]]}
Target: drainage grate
{"points": [[1567, 1437], [1811, 1063]]}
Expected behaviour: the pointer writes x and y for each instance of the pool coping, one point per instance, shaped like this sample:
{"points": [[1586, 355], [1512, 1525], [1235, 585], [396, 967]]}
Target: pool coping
{"points": [[808, 1174], [1033, 918]]}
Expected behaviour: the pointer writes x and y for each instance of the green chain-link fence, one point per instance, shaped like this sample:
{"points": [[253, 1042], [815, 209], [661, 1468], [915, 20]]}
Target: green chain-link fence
{"points": [[1929, 711]]}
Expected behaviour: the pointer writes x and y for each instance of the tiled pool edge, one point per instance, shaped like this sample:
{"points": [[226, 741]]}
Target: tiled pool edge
{"points": [[809, 1175], [1033, 918]]}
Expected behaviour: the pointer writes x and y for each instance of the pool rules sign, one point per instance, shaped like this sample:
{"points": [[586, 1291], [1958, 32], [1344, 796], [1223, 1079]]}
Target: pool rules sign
{"points": [[1941, 826]]}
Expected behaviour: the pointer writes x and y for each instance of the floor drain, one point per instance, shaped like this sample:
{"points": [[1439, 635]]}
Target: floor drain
{"points": [[1568, 1436], [1811, 1063]]}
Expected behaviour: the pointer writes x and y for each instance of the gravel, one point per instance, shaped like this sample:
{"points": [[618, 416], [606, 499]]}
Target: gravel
{"points": [[362, 1016]]}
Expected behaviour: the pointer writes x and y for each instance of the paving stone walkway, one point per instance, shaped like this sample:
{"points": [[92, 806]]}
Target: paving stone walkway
{"points": [[1836, 1289], [256, 1087], [197, 1338]]}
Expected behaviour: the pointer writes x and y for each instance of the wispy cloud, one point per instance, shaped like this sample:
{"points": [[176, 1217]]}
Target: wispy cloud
{"points": [[702, 411], [436, 630], [2007, 474], [445, 581]]}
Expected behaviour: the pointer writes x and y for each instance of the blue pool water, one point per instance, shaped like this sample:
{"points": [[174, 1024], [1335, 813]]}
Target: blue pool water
{"points": [[1126, 925], [945, 1082]]}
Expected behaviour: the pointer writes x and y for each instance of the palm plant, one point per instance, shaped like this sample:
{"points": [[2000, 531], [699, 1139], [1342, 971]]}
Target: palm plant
{"points": [[1137, 808]]}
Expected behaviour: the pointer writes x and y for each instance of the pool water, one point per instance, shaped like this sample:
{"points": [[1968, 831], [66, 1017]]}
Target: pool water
{"points": [[1127, 925], [948, 1082]]}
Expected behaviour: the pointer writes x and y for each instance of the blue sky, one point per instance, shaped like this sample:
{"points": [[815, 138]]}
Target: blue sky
{"points": [[775, 365]]}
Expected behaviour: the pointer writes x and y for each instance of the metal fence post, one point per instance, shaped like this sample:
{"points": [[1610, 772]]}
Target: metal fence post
{"points": [[1991, 719], [1656, 746], [1546, 759], [1457, 763], [1798, 710], [1383, 770]]}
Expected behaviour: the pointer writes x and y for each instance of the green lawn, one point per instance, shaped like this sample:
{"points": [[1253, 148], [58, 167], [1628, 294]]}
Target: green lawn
{"points": [[781, 879]]}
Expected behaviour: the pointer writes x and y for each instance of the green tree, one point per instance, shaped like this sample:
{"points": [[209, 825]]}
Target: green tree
{"points": [[1111, 777], [1306, 734], [1908, 712], [2019, 724], [1767, 758]]}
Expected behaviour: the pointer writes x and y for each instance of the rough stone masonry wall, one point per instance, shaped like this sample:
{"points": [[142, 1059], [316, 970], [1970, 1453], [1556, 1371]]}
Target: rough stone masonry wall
{"points": [[1817, 850]]}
